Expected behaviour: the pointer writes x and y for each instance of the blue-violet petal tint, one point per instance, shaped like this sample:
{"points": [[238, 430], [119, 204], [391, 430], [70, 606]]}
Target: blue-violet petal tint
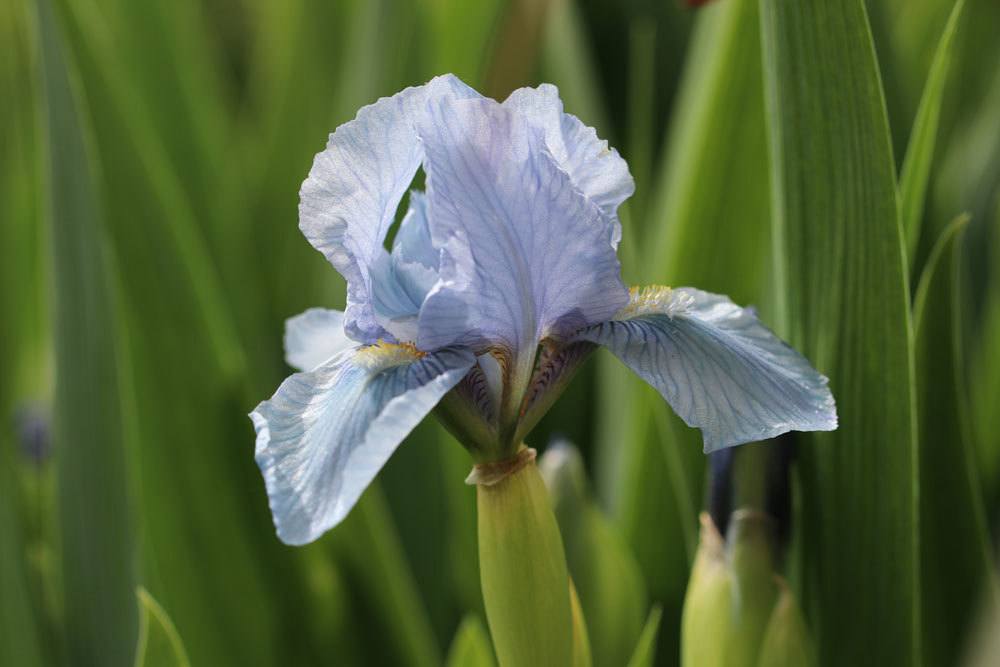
{"points": [[719, 368], [525, 254], [325, 434], [502, 278], [313, 337], [349, 200]]}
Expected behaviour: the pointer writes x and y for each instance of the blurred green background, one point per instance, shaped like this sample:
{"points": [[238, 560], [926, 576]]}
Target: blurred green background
{"points": [[149, 171]]}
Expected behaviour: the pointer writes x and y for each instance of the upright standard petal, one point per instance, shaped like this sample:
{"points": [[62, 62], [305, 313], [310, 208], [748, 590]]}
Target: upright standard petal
{"points": [[349, 200], [595, 168], [719, 368], [313, 337], [524, 254], [325, 434]]}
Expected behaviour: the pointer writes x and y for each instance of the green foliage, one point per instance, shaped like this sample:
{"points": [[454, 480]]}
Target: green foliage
{"points": [[693, 236], [738, 611], [606, 575], [151, 158], [471, 646], [842, 277], [917, 164], [984, 371], [786, 641], [19, 632], [375, 559], [953, 535], [159, 644], [645, 649], [22, 337], [96, 532]]}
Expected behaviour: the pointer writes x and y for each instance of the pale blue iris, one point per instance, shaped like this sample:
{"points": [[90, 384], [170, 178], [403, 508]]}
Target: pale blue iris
{"points": [[500, 281]]}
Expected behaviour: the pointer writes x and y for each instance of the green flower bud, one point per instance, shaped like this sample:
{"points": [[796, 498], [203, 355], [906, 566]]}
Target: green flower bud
{"points": [[708, 618], [755, 586], [738, 612], [471, 646], [786, 641]]}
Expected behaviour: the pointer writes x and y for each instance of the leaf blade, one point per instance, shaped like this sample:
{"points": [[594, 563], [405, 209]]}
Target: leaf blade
{"points": [[159, 644], [955, 553], [93, 499], [846, 308], [916, 170], [645, 650]]}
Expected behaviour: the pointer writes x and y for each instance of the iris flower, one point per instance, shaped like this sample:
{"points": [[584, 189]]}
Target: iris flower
{"points": [[502, 277]]}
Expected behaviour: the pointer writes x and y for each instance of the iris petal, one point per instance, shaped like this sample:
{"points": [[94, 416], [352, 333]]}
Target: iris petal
{"points": [[412, 244], [325, 434], [313, 337], [524, 253], [719, 368], [594, 167], [349, 200], [401, 281]]}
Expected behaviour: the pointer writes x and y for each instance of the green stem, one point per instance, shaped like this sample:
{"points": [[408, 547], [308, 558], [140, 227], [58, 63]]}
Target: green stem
{"points": [[522, 566]]}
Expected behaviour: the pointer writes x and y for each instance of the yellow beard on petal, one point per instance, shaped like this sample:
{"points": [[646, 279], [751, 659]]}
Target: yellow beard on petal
{"points": [[651, 299]]}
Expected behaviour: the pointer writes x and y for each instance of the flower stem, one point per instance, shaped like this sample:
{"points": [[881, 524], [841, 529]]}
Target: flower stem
{"points": [[522, 566]]}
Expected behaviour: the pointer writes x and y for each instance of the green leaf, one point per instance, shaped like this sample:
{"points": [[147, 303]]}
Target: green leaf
{"points": [[143, 149], [716, 144], [370, 549], [606, 575], [198, 492], [459, 30], [97, 548], [159, 644], [841, 275], [23, 336], [19, 637], [645, 650], [984, 371], [567, 61], [582, 656], [955, 551], [471, 646], [515, 47], [920, 151], [641, 80]]}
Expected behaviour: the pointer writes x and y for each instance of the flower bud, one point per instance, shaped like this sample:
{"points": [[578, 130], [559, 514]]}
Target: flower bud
{"points": [[786, 641], [708, 618], [738, 612]]}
